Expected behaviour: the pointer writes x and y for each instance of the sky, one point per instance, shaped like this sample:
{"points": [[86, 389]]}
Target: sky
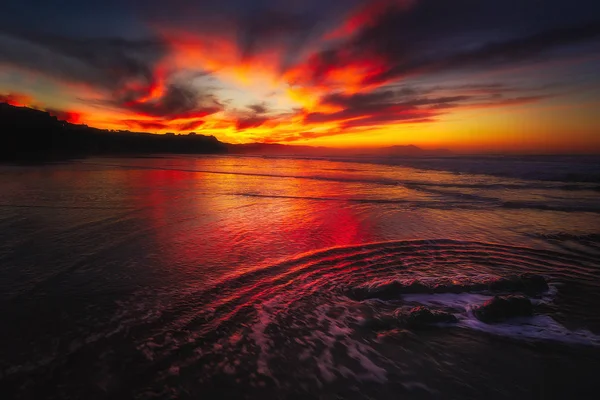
{"points": [[468, 75]]}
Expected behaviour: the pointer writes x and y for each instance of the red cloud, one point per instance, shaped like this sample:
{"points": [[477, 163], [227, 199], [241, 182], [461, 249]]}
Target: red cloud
{"points": [[145, 125], [250, 122], [190, 126], [350, 79], [365, 15], [16, 99], [343, 70], [69, 116], [23, 100], [161, 125]]}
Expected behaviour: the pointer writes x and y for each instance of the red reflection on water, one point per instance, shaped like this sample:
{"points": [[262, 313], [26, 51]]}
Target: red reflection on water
{"points": [[232, 223]]}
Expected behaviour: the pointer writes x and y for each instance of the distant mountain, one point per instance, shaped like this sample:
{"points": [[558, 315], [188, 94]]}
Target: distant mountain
{"points": [[274, 149], [290, 150], [403, 151], [28, 135]]}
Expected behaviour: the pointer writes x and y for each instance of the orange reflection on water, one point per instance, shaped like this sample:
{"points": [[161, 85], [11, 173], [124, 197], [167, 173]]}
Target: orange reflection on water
{"points": [[219, 220]]}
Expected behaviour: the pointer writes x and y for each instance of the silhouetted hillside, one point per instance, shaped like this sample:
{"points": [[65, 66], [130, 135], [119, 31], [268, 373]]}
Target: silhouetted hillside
{"points": [[29, 135]]}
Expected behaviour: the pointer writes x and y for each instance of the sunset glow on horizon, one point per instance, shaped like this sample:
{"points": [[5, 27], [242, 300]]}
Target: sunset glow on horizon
{"points": [[466, 75]]}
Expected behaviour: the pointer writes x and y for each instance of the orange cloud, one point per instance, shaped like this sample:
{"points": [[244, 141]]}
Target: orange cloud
{"points": [[366, 15], [23, 100], [68, 116], [283, 78], [16, 99]]}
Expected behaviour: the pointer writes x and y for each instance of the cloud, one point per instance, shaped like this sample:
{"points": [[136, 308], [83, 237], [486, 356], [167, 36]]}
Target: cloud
{"points": [[158, 125], [415, 104], [258, 108], [402, 42], [290, 137], [370, 115], [360, 100], [190, 126], [23, 100], [263, 28], [297, 70], [365, 14], [384, 106], [129, 71], [513, 101], [383, 98], [107, 63], [69, 116], [378, 120], [145, 125], [16, 99], [179, 101], [494, 54], [250, 122]]}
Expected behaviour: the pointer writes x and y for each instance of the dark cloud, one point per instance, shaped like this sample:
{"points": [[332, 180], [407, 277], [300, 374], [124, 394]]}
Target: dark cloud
{"points": [[178, 101], [402, 61], [107, 63], [417, 104], [360, 100], [258, 108], [494, 54], [438, 36], [501, 101], [259, 29], [376, 120], [146, 125], [256, 26], [491, 89], [190, 126], [382, 98], [389, 113], [384, 106], [436, 101], [242, 123]]}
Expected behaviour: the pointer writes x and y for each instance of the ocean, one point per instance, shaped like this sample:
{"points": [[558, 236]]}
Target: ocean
{"points": [[279, 277]]}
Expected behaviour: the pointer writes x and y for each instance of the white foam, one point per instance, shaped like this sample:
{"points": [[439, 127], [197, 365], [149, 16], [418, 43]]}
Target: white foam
{"points": [[262, 341], [459, 301], [359, 352], [335, 329], [537, 327], [326, 365], [549, 296]]}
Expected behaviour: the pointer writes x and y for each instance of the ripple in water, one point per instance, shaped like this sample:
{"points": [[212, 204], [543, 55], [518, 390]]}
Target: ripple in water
{"points": [[341, 318]]}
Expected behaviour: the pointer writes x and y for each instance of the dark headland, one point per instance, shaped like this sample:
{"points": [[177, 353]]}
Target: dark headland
{"points": [[32, 136], [29, 135]]}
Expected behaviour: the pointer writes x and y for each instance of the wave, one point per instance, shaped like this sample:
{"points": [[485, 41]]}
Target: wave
{"points": [[409, 183], [566, 169], [244, 324], [537, 327], [526, 283], [294, 289], [461, 201]]}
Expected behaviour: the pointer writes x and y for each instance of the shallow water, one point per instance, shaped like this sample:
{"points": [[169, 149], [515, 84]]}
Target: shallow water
{"points": [[194, 277]]}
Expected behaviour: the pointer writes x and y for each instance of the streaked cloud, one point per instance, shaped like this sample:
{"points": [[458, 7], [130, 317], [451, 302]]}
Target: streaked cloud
{"points": [[274, 72]]}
